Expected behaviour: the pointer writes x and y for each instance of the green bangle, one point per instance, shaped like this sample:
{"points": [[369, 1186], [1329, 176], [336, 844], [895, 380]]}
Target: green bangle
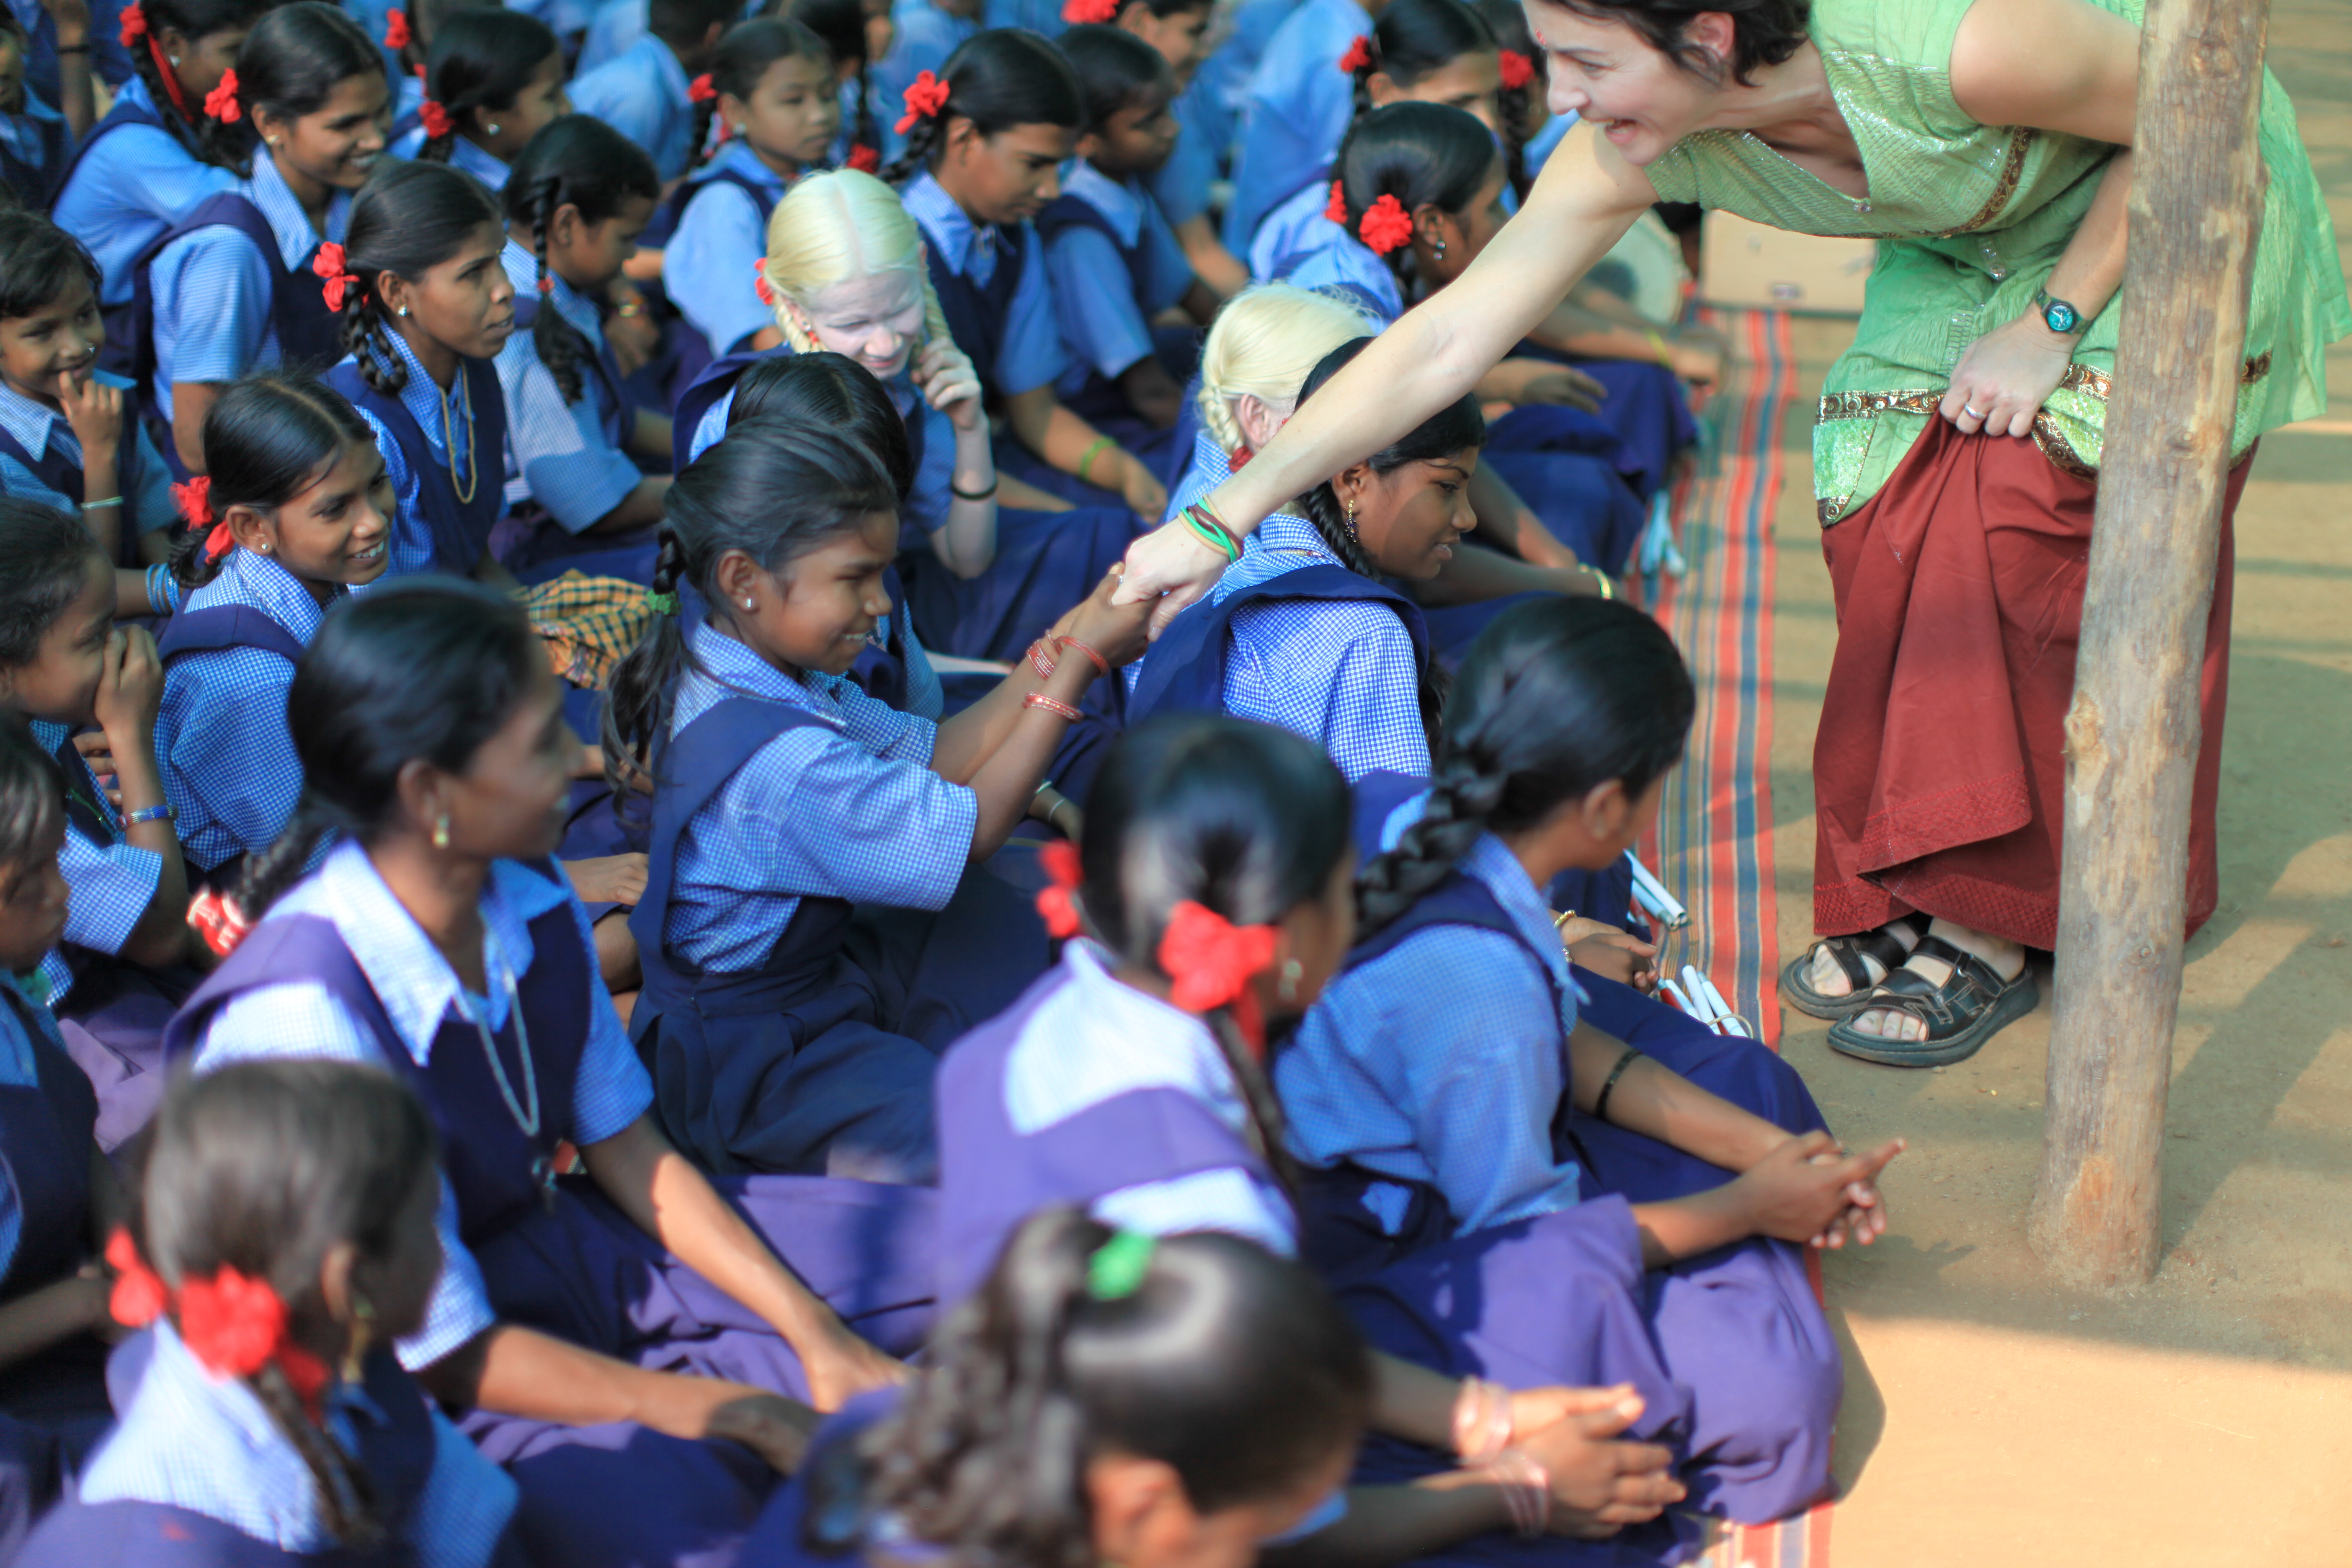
{"points": [[1210, 534], [1094, 451]]}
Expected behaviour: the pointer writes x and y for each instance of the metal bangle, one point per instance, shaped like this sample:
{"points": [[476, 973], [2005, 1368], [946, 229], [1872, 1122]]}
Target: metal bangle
{"points": [[1609, 1084], [971, 495]]}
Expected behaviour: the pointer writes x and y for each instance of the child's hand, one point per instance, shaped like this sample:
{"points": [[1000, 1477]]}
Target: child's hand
{"points": [[608, 878], [130, 689], [1863, 1219], [73, 19], [950, 384], [630, 330], [1529, 381], [1805, 1186], [849, 1367], [1610, 952], [97, 751], [93, 412], [1119, 632], [1146, 494], [1599, 1483]]}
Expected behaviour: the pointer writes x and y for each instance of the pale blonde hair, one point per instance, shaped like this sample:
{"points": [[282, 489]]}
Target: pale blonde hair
{"points": [[834, 227], [1265, 341]]}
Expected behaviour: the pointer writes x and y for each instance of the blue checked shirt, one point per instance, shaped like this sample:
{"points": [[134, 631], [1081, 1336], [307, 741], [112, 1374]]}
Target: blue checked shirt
{"points": [[561, 454], [37, 427], [17, 1070], [1033, 336], [213, 293], [706, 264], [1293, 232], [1097, 1038], [412, 531], [129, 192], [206, 1444], [418, 989], [1106, 324], [641, 93], [1297, 110], [851, 810], [112, 883], [229, 767], [1444, 1059]]}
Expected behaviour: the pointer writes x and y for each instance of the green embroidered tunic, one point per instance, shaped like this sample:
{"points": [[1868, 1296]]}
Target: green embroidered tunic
{"points": [[1970, 219]]}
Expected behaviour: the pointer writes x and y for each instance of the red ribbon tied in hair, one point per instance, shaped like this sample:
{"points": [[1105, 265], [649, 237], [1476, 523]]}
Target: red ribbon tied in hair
{"points": [[864, 159], [1336, 210], [1386, 225], [221, 102], [1059, 903], [396, 35], [760, 286], [435, 119], [134, 23], [139, 1298], [236, 1326], [925, 97], [1240, 459], [1210, 961], [219, 919], [329, 264], [194, 500], [700, 90], [1090, 11], [1517, 70], [1359, 56]]}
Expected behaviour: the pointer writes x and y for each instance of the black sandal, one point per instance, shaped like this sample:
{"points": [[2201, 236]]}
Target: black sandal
{"points": [[1849, 950], [1964, 1012]]}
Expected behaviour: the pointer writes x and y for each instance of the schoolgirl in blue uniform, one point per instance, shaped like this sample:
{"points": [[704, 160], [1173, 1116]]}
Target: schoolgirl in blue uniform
{"points": [[642, 91], [1273, 1380], [69, 438], [1519, 1096], [784, 797], [90, 687], [580, 195], [34, 137], [294, 512], [774, 100], [1213, 891], [842, 24], [1115, 265], [598, 1331], [1178, 30], [231, 288], [986, 142], [426, 307], [496, 79], [157, 155], [283, 1229], [923, 35]]}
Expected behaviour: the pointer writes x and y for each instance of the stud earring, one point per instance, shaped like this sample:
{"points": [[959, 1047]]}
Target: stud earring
{"points": [[175, 62], [403, 310], [491, 129], [1292, 970], [441, 831], [747, 603], [1441, 248]]}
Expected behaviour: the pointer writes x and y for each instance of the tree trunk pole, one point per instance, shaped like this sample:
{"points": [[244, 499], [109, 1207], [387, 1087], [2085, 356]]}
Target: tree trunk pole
{"points": [[2133, 731]]}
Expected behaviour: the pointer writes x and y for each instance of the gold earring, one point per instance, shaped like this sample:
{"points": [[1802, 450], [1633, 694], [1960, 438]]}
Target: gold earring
{"points": [[1351, 519], [441, 831], [1292, 970], [363, 1331]]}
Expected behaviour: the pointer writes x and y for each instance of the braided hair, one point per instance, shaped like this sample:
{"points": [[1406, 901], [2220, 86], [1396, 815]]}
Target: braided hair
{"points": [[482, 59], [409, 218], [207, 139], [577, 162], [291, 63], [1266, 341], [264, 1167], [745, 52], [1456, 427], [1423, 154], [1234, 1368], [268, 437], [842, 24], [1523, 106], [1004, 78], [1558, 697]]}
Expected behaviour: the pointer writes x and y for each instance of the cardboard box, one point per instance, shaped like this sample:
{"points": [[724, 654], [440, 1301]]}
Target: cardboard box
{"points": [[1746, 264]]}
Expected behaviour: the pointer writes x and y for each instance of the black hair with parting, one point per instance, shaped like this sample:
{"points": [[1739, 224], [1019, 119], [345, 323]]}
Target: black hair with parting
{"points": [[834, 391], [1423, 154], [45, 558], [36, 260], [1116, 71], [1558, 697], [1234, 1368], [482, 58], [410, 217], [745, 52], [577, 161], [998, 80], [268, 439], [293, 60], [1414, 39]]}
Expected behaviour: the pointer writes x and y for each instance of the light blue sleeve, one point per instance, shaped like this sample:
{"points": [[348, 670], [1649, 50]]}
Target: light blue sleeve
{"points": [[1033, 337], [707, 266], [131, 189], [824, 817], [231, 767], [615, 95], [1288, 133], [612, 1088], [465, 1506], [112, 886], [212, 309], [557, 452], [1167, 271], [1103, 327], [1181, 184], [152, 507]]}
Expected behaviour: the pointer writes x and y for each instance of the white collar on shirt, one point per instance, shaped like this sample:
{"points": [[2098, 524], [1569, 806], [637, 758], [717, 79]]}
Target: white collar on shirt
{"points": [[1116, 200], [1101, 1037]]}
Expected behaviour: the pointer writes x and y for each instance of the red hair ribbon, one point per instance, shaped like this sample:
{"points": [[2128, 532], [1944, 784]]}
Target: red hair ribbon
{"points": [[329, 264], [1359, 56], [1386, 225], [135, 31], [396, 35], [236, 1326], [547, 285], [1337, 211], [700, 90], [1059, 903], [194, 500], [864, 159], [924, 98], [221, 102], [1212, 961], [435, 119], [219, 919], [1090, 11], [1240, 459], [760, 286], [1517, 70], [139, 1298]]}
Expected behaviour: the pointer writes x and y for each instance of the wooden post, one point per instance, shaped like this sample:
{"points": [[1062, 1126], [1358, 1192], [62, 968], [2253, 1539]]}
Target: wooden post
{"points": [[2133, 731]]}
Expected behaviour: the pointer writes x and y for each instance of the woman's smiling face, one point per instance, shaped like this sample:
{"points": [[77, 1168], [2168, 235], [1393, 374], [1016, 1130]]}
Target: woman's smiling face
{"points": [[1640, 100]]}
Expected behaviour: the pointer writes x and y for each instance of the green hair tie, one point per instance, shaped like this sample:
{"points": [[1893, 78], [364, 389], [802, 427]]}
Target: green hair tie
{"points": [[662, 604], [1119, 1265]]}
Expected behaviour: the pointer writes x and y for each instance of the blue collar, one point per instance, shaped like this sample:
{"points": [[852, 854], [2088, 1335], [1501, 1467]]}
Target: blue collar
{"points": [[1119, 201], [267, 189], [522, 271], [737, 158], [960, 243], [728, 667]]}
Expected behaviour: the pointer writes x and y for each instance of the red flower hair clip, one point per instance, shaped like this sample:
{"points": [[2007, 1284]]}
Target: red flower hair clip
{"points": [[219, 919], [134, 24], [864, 159], [1517, 70], [1212, 961], [700, 90], [221, 102], [547, 285], [1059, 903], [194, 500], [235, 1325], [760, 286], [396, 35], [435, 119], [925, 97], [1336, 211], [1359, 56], [1090, 11], [137, 1298], [329, 264], [1240, 459], [1386, 225]]}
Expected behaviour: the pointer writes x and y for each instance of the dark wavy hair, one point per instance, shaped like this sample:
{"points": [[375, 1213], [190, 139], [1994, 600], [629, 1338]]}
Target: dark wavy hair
{"points": [[1764, 32], [1415, 38], [1420, 153], [1557, 697], [482, 57], [580, 161], [409, 218], [996, 79], [1234, 1368], [745, 52], [293, 60], [267, 439]]}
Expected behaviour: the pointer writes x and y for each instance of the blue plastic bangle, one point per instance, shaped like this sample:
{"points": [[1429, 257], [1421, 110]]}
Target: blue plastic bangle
{"points": [[149, 814]]}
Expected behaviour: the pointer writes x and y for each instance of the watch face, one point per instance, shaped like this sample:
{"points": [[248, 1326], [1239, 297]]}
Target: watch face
{"points": [[2059, 315]]}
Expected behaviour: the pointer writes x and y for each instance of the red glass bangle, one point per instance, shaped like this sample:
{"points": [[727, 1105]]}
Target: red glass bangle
{"points": [[1102, 665], [1041, 658], [1051, 705]]}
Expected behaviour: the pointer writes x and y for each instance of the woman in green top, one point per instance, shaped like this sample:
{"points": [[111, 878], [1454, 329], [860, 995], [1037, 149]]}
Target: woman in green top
{"points": [[1986, 144]]}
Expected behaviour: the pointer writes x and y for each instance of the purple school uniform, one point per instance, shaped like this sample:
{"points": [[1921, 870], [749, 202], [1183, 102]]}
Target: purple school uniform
{"points": [[460, 530], [559, 1257]]}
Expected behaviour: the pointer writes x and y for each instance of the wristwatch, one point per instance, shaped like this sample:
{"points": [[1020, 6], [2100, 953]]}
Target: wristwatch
{"points": [[2056, 314]]}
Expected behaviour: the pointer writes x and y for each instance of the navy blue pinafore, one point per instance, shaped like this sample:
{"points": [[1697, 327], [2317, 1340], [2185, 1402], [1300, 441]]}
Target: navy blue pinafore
{"points": [[460, 530], [1101, 402], [64, 475], [1185, 671]]}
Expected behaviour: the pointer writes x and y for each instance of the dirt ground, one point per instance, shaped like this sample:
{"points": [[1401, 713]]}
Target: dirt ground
{"points": [[2202, 1419]]}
